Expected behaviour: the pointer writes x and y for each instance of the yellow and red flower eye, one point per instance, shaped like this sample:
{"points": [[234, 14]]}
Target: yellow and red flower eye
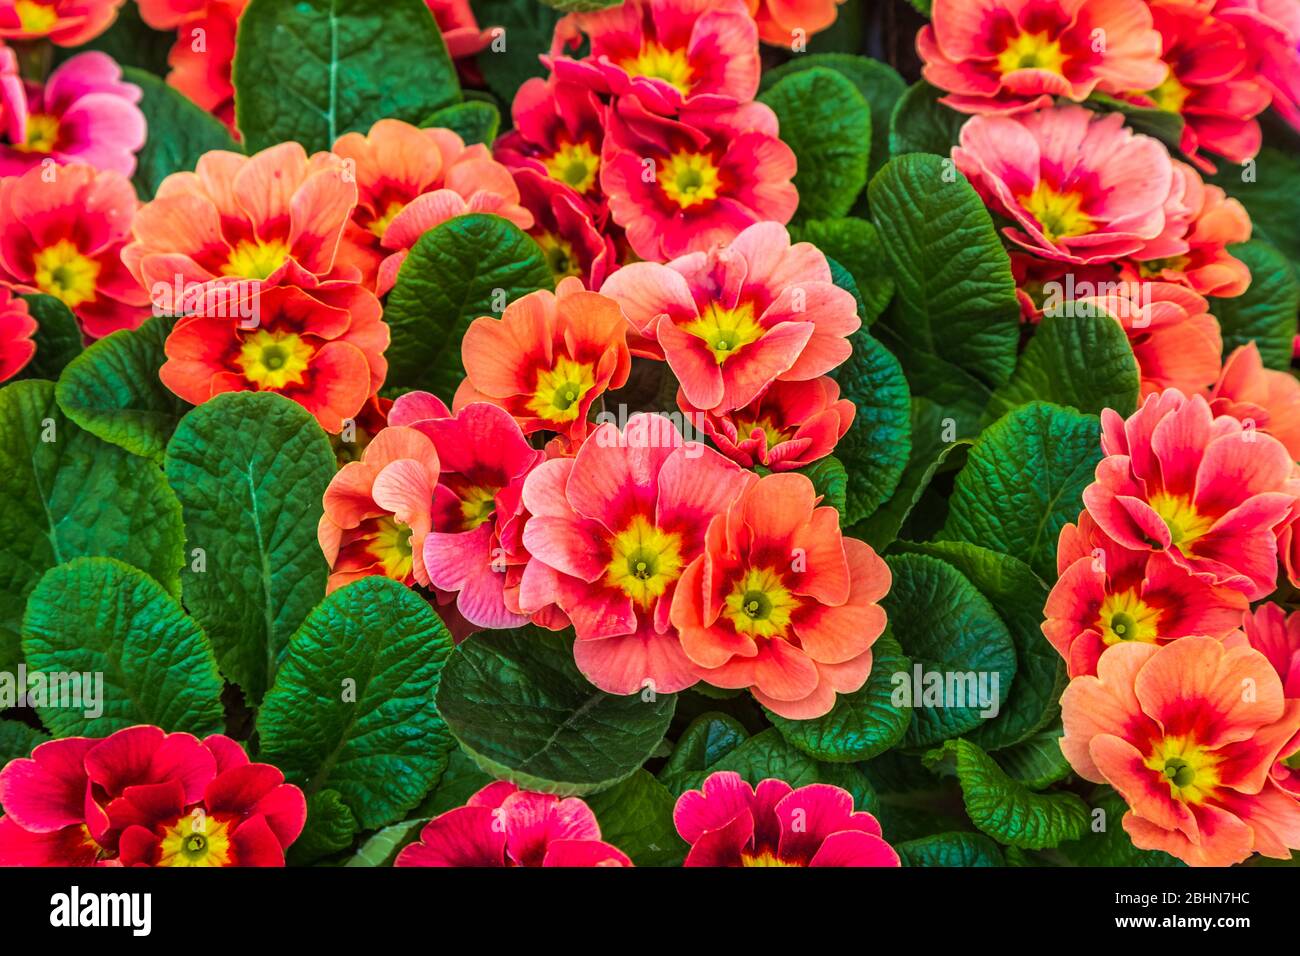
{"points": [[775, 434], [256, 258], [726, 330], [765, 858], [477, 505], [559, 255], [63, 272], [390, 544], [560, 390], [190, 841], [760, 604], [1186, 525], [275, 359], [689, 179], [1059, 214], [1190, 770], [1032, 51], [660, 63], [42, 134], [380, 225], [645, 561], [574, 164], [1170, 95], [35, 17], [1126, 617]]}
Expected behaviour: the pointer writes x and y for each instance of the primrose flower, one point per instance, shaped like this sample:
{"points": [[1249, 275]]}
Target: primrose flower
{"points": [[1106, 594], [62, 22], [780, 602], [782, 22], [612, 530], [790, 425], [460, 30], [323, 349], [547, 358], [1266, 398], [64, 238], [410, 180], [1208, 492], [142, 797], [1188, 733], [13, 97], [378, 509], [1272, 32], [670, 54], [16, 330], [735, 319], [201, 70], [715, 173], [729, 823], [564, 226], [558, 131], [1006, 56], [85, 113], [1276, 635], [274, 218], [502, 825]]}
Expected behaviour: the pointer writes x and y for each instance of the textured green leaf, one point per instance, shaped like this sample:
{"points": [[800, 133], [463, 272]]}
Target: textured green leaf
{"points": [[66, 495], [1111, 846], [856, 245], [520, 707], [382, 848], [875, 448], [1006, 810], [461, 780], [180, 131], [250, 469], [951, 849], [330, 828], [100, 616], [636, 816], [921, 124], [708, 738], [1024, 481], [949, 628], [1037, 762], [1083, 361], [312, 70], [112, 390], [830, 479], [1266, 312], [862, 724], [57, 338], [581, 6], [467, 267], [129, 41], [912, 801], [352, 707], [474, 121], [827, 123], [1268, 186], [528, 26]]}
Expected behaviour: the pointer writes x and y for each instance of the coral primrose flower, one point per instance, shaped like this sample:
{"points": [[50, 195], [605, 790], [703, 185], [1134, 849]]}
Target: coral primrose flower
{"points": [[1106, 594], [729, 823], [565, 228], [16, 330], [84, 113], [1175, 731], [64, 238], [779, 602], [1204, 490], [63, 22], [204, 52], [783, 22], [13, 97], [612, 530], [1276, 635], [741, 316], [1005, 56], [502, 825], [1263, 397], [558, 131], [460, 29], [1272, 32]]}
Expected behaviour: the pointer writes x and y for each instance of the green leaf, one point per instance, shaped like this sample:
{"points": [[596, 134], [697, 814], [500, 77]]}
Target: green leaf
{"points": [[955, 322], [528, 26], [1018, 595], [58, 337], [856, 245], [829, 479], [862, 724], [330, 828], [1111, 846], [1006, 810], [1037, 762], [879, 84], [581, 6], [66, 495], [312, 70], [1266, 312], [250, 469], [827, 123], [954, 637], [708, 738], [951, 849], [1152, 121], [922, 6], [519, 706], [921, 124], [112, 390], [382, 848], [636, 816], [467, 267], [1267, 186], [875, 448], [1083, 361], [180, 131], [1024, 481], [96, 616], [461, 780], [352, 707], [474, 121], [130, 42]]}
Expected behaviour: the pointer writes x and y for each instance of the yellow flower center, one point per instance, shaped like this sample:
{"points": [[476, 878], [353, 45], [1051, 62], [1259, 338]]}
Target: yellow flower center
{"points": [[42, 134], [1126, 617], [766, 858], [760, 605], [35, 17], [1032, 51], [1190, 770], [1170, 95], [774, 434], [1180, 516], [560, 391], [390, 543], [1154, 268], [196, 842], [477, 505], [559, 256], [275, 359], [380, 226], [63, 272], [645, 561], [655, 61], [726, 330], [256, 259], [1059, 214], [575, 165], [689, 179]]}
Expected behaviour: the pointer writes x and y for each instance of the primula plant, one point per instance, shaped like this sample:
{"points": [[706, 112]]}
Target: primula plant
{"points": [[651, 433]]}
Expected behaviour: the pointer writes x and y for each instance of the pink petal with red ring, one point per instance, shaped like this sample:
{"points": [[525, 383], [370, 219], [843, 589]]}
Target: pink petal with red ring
{"points": [[598, 613], [67, 846], [1145, 790], [534, 820], [337, 386], [1276, 635], [467, 836], [724, 847], [145, 754], [571, 545], [253, 843], [1222, 838], [147, 805], [1245, 766], [1273, 816], [584, 853], [767, 825], [465, 563], [722, 797], [138, 846], [696, 483], [258, 789], [628, 663], [47, 791], [615, 474], [647, 290], [411, 408], [1235, 468], [809, 815], [854, 848], [1106, 704], [783, 672]]}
